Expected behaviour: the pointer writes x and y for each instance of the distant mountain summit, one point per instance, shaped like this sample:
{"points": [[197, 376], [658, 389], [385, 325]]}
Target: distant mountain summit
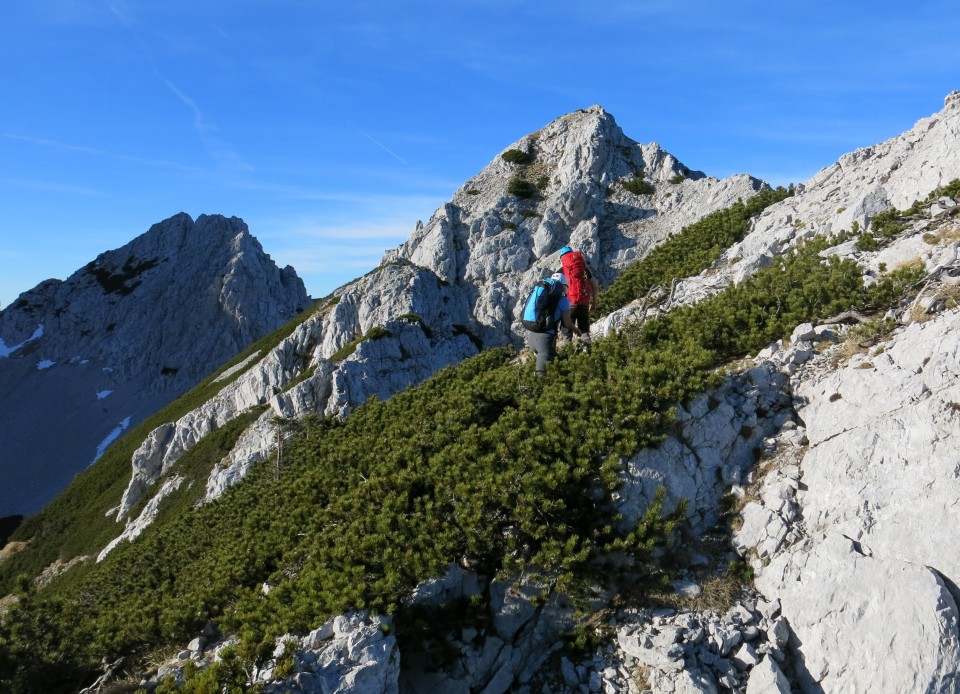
{"points": [[83, 359]]}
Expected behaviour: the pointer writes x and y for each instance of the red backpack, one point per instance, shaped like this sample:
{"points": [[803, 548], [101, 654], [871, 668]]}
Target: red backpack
{"points": [[575, 268]]}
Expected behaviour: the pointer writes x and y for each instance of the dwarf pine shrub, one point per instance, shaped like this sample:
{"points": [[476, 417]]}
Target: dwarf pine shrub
{"points": [[521, 188], [687, 253], [639, 186], [888, 224], [951, 190], [517, 156]]}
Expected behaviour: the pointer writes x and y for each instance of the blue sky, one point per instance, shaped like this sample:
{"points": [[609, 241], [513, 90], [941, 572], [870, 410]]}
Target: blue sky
{"points": [[331, 128]]}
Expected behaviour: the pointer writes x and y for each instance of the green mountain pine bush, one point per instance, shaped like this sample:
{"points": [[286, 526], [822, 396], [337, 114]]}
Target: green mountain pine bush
{"points": [[688, 252], [639, 186]]}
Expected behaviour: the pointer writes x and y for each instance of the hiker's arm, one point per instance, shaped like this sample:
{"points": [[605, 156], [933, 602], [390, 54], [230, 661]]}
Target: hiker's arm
{"points": [[594, 292], [567, 323]]}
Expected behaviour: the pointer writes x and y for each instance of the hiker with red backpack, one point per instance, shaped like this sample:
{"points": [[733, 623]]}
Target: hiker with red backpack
{"points": [[582, 293], [546, 308]]}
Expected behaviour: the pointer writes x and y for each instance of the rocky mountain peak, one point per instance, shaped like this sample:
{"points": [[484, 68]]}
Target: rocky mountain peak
{"points": [[123, 335], [579, 181]]}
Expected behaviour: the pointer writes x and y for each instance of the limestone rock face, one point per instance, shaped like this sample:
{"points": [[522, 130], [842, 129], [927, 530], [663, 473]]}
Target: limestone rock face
{"points": [[713, 449], [865, 568], [894, 173], [85, 358], [861, 184], [314, 371], [844, 196]]}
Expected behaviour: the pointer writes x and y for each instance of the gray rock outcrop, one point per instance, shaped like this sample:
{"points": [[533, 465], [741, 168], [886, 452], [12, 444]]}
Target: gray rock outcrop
{"points": [[349, 654], [894, 173], [324, 367], [713, 450], [862, 573], [846, 516], [83, 359]]}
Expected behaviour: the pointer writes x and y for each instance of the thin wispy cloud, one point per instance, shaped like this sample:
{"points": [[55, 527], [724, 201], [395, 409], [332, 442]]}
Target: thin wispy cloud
{"points": [[198, 123], [379, 144], [358, 198], [222, 153], [334, 251], [328, 256], [119, 12], [513, 65], [225, 155], [368, 231], [63, 13], [93, 151], [50, 187], [356, 259]]}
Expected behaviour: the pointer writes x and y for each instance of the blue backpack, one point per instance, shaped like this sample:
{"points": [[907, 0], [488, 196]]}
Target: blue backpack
{"points": [[540, 307]]}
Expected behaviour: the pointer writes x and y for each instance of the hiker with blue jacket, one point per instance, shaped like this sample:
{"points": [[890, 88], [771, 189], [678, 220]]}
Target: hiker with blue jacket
{"points": [[546, 308]]}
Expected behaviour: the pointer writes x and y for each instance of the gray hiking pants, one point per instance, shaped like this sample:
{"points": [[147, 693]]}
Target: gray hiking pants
{"points": [[544, 345]]}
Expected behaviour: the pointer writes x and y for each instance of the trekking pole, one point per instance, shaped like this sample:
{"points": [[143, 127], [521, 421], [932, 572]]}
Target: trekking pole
{"points": [[520, 387]]}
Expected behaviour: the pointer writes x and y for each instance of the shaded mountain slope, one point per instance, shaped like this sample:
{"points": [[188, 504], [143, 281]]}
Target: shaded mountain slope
{"points": [[85, 358]]}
